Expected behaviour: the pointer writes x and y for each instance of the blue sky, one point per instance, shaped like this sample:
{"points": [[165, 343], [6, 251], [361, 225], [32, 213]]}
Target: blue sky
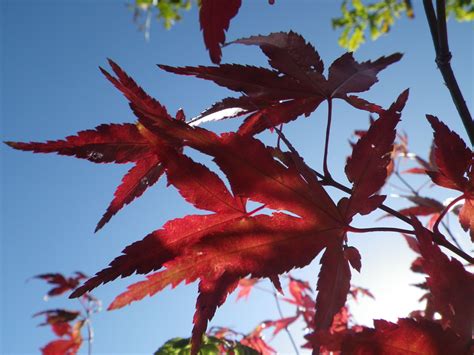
{"points": [[51, 87]]}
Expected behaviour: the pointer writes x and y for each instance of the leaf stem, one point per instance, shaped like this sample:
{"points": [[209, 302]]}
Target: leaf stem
{"points": [[90, 330], [416, 193], [446, 210], [326, 143], [331, 182], [292, 340], [439, 34], [379, 229]]}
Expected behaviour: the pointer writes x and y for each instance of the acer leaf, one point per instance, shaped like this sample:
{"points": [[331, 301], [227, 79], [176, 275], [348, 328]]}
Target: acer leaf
{"points": [[367, 167], [451, 286], [296, 87], [212, 294], [107, 143], [347, 75], [333, 286], [69, 344], [353, 256], [54, 316], [406, 337], [249, 246], [211, 345], [133, 92], [215, 16], [245, 287], [144, 174], [255, 340], [455, 173], [110, 143], [61, 346], [281, 324], [290, 54], [199, 186], [118, 143], [61, 284]]}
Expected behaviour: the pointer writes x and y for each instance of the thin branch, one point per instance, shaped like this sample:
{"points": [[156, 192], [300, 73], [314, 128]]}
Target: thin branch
{"points": [[451, 235], [379, 229], [404, 182], [326, 143], [331, 182], [293, 343], [439, 34], [446, 210], [416, 193], [432, 23], [90, 330]]}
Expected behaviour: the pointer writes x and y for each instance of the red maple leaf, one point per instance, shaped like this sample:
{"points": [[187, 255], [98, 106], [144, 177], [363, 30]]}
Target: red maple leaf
{"points": [[69, 343], [450, 285], [458, 173], [229, 244], [116, 143], [408, 336], [215, 16], [297, 85], [61, 283], [245, 287]]}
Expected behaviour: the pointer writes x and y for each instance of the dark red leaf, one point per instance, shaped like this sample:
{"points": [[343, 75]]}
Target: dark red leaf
{"points": [[212, 294], [451, 286], [454, 161], [61, 283], [347, 75], [333, 286], [298, 77], [353, 256], [407, 337], [289, 53], [112, 143], [215, 16], [367, 167]]}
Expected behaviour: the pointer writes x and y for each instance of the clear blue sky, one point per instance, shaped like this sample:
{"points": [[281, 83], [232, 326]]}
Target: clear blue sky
{"points": [[51, 87]]}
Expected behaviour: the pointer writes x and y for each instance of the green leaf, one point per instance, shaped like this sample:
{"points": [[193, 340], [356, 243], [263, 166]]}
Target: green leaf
{"points": [[210, 346]]}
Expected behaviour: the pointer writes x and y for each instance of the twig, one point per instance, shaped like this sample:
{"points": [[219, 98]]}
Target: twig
{"points": [[439, 34], [90, 330], [446, 210], [380, 229], [293, 343], [331, 182], [416, 193], [326, 143]]}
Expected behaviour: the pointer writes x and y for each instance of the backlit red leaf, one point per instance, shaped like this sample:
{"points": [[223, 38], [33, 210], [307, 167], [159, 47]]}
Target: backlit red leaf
{"points": [[451, 286], [61, 284], [108, 143], [245, 287], [407, 337], [455, 168], [215, 16], [289, 53], [298, 78], [333, 286], [144, 174], [347, 75], [367, 167]]}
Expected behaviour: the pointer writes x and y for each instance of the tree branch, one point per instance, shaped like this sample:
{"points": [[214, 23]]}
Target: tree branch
{"points": [[299, 162], [439, 34]]}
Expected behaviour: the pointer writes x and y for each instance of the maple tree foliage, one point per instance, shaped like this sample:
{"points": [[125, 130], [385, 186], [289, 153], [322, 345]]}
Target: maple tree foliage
{"points": [[66, 324], [296, 219]]}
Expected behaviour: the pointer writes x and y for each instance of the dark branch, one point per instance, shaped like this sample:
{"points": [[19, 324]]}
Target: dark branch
{"points": [[439, 34]]}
